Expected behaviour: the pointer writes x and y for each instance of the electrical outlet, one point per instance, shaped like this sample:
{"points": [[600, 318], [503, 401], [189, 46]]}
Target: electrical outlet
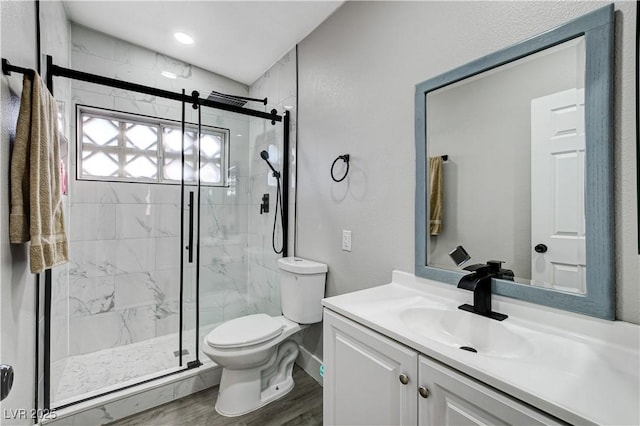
{"points": [[346, 240]]}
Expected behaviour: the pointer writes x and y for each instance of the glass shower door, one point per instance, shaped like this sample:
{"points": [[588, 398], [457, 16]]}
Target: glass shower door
{"points": [[115, 308], [181, 164]]}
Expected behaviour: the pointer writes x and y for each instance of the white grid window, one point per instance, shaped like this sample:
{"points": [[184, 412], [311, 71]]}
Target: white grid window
{"points": [[126, 147]]}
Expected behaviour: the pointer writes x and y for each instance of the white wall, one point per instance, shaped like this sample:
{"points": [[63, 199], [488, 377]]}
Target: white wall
{"points": [[17, 284], [357, 76]]}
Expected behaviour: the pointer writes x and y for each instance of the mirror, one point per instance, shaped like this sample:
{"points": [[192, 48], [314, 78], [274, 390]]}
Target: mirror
{"points": [[494, 125], [526, 134]]}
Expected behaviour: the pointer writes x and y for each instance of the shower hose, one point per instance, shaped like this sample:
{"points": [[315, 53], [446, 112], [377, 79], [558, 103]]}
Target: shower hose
{"points": [[275, 218]]}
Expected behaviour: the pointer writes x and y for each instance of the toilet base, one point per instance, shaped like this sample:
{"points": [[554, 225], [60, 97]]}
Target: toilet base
{"points": [[243, 391], [230, 407]]}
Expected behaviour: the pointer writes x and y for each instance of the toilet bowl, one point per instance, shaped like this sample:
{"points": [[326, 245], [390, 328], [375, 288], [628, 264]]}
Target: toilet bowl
{"points": [[256, 351]]}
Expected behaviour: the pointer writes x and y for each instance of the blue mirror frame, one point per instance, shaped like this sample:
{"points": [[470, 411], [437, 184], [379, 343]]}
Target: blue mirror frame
{"points": [[598, 28]]}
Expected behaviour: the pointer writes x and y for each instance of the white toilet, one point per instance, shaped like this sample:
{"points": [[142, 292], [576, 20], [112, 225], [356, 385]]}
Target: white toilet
{"points": [[255, 352]]}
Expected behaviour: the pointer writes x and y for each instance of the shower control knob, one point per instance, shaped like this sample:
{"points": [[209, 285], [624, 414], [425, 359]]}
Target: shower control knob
{"points": [[404, 379], [424, 392], [541, 248]]}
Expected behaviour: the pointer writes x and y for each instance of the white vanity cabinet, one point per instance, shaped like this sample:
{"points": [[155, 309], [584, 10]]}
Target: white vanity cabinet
{"points": [[450, 398], [370, 379]]}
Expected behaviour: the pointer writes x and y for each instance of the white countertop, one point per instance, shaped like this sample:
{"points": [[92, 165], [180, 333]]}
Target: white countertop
{"points": [[580, 369]]}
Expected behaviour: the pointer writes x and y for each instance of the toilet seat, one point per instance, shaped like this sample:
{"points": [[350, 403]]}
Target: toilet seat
{"points": [[245, 331]]}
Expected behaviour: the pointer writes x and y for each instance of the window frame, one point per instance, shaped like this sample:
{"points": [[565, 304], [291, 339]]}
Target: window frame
{"points": [[160, 124]]}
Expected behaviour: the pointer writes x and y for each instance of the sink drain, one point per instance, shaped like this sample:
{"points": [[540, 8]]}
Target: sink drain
{"points": [[469, 348]]}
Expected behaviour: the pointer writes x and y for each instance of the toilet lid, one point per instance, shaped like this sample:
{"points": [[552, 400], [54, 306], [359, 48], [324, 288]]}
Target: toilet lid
{"points": [[245, 331]]}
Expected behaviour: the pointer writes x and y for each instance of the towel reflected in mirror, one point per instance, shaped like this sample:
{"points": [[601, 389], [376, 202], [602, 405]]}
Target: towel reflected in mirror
{"points": [[435, 195]]}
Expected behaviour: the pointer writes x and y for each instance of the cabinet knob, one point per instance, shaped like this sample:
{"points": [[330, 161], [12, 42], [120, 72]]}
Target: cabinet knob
{"points": [[423, 391], [404, 379]]}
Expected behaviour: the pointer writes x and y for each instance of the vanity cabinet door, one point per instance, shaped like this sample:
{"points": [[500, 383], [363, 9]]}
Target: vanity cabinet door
{"points": [[368, 379], [454, 399]]}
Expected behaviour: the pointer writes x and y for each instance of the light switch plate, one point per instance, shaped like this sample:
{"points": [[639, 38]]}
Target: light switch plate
{"points": [[346, 240]]}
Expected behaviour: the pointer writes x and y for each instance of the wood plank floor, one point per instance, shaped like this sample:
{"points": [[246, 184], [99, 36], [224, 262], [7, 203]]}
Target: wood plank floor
{"points": [[301, 406]]}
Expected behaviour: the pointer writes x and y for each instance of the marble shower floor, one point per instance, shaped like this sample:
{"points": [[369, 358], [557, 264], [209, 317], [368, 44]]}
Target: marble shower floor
{"points": [[82, 376]]}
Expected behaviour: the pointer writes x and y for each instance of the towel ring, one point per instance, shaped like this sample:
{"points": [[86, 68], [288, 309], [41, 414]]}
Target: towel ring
{"points": [[344, 158]]}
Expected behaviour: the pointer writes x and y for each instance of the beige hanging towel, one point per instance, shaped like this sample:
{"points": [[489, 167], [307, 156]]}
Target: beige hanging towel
{"points": [[36, 200], [435, 195]]}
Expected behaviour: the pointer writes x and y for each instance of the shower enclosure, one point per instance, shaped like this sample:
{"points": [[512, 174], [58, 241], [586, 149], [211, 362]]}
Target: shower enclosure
{"points": [[166, 235]]}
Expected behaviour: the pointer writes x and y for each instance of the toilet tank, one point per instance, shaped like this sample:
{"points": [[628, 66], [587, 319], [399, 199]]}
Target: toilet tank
{"points": [[302, 289]]}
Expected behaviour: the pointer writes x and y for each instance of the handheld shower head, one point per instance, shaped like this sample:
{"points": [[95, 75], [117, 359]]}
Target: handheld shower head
{"points": [[265, 156]]}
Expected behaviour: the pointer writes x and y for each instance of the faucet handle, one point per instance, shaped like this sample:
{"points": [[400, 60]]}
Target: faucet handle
{"points": [[476, 268], [495, 265]]}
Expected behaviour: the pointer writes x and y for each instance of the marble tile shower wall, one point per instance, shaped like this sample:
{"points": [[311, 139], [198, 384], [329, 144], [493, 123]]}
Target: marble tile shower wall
{"points": [[125, 237], [279, 85]]}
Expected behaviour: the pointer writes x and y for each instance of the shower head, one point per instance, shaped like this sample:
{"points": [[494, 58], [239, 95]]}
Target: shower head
{"points": [[265, 156], [226, 99]]}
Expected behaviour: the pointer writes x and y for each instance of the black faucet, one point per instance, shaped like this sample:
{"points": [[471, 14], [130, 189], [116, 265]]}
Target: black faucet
{"points": [[479, 281]]}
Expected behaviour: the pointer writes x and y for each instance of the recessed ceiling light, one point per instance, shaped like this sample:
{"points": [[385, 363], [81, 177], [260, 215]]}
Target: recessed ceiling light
{"points": [[288, 107], [183, 38], [169, 75], [239, 134]]}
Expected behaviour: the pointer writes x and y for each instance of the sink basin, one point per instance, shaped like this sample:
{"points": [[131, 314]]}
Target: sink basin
{"points": [[457, 328]]}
